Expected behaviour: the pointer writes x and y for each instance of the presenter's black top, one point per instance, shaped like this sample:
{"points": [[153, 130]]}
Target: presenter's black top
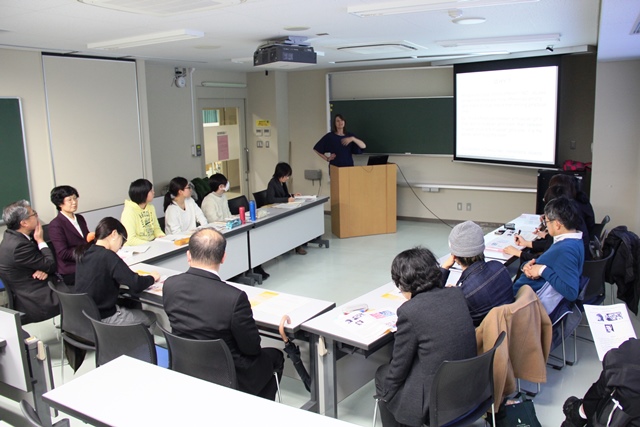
{"points": [[332, 143]]}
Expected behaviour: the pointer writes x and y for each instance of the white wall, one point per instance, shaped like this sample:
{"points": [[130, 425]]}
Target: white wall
{"points": [[308, 122], [21, 76], [616, 148]]}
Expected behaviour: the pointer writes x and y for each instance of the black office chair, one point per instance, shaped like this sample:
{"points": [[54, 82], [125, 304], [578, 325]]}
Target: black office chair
{"points": [[462, 390], [75, 327], [236, 203], [209, 360], [113, 341], [598, 229], [161, 222], [595, 270], [261, 198]]}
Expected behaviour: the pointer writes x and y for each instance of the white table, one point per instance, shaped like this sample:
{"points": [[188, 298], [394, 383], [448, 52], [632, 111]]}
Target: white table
{"points": [[338, 340], [285, 229], [167, 254], [268, 306], [129, 393]]}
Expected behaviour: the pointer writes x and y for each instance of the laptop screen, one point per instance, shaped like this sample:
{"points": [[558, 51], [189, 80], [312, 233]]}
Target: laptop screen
{"points": [[378, 160]]}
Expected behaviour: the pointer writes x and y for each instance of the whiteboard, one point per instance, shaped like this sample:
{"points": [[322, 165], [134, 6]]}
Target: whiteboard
{"points": [[94, 126]]}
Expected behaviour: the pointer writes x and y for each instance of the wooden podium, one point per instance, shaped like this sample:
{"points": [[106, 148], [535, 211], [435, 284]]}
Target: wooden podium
{"points": [[363, 200]]}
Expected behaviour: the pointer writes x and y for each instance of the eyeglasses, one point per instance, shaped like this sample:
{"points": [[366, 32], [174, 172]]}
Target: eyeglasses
{"points": [[70, 199], [33, 213], [124, 239]]}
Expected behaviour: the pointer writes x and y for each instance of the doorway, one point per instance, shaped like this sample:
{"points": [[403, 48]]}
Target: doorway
{"points": [[224, 142]]}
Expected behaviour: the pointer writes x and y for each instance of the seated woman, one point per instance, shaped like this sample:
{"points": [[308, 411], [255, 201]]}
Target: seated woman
{"points": [[433, 325], [215, 205], [277, 191], [139, 215], [100, 272], [181, 213], [66, 231]]}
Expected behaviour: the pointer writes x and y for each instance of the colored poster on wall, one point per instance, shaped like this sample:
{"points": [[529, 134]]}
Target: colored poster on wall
{"points": [[223, 146]]}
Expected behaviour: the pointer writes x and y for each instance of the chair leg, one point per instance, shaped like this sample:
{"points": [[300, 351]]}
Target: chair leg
{"points": [[375, 413], [564, 353], [493, 414], [278, 386], [62, 359]]}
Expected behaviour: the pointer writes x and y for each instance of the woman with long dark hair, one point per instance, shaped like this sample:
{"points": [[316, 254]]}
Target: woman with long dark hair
{"points": [[100, 272], [338, 146], [181, 213], [139, 215]]}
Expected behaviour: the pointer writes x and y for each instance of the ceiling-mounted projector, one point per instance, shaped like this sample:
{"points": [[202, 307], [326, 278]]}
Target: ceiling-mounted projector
{"points": [[285, 53]]}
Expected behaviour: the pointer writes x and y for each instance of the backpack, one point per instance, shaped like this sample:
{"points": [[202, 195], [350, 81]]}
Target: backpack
{"points": [[611, 414], [624, 269]]}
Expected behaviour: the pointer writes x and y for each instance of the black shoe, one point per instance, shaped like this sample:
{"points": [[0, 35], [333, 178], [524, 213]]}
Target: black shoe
{"points": [[259, 270], [571, 410]]}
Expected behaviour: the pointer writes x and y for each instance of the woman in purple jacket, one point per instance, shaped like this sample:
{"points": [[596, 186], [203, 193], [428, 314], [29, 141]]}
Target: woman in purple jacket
{"points": [[66, 231]]}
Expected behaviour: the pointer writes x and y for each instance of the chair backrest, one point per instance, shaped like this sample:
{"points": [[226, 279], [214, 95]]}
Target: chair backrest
{"points": [[7, 289], [72, 319], [462, 390], [598, 229], [113, 341], [209, 360], [595, 270], [30, 414], [261, 198], [236, 202]]}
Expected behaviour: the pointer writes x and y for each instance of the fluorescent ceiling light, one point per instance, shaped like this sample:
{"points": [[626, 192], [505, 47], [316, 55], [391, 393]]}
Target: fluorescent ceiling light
{"points": [[468, 21], [500, 40], [147, 39], [414, 6], [382, 48], [162, 7], [223, 84]]}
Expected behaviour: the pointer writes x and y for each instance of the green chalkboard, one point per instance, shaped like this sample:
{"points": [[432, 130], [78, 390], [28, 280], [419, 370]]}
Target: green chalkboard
{"points": [[400, 126], [13, 160]]}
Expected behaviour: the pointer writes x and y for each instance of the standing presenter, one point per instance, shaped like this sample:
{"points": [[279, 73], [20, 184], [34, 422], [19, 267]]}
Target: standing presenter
{"points": [[338, 146]]}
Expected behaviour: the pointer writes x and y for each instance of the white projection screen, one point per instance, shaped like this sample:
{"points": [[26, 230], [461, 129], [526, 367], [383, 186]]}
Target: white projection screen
{"points": [[506, 113], [94, 125]]}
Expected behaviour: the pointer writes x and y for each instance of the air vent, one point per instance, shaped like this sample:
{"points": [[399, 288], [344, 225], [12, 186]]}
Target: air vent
{"points": [[162, 7]]}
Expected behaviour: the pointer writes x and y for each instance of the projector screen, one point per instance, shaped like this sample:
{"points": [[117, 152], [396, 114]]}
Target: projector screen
{"points": [[506, 112]]}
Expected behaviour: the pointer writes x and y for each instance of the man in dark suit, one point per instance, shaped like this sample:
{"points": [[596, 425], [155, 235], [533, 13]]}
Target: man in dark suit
{"points": [[26, 263], [202, 306]]}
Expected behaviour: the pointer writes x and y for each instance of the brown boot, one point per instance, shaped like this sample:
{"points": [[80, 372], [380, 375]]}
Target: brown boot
{"points": [[301, 251]]}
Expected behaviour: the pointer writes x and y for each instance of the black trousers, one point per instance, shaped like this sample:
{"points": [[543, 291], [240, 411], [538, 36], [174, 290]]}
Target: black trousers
{"points": [[277, 362], [388, 420]]}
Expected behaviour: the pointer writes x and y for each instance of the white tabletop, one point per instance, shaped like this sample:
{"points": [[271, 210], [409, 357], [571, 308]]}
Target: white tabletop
{"points": [[268, 306], [128, 392], [331, 324]]}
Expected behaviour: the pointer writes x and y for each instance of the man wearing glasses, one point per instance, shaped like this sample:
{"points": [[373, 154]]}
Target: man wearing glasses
{"points": [[556, 273], [26, 262]]}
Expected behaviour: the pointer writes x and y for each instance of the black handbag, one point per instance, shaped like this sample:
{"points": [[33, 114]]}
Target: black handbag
{"points": [[520, 414]]}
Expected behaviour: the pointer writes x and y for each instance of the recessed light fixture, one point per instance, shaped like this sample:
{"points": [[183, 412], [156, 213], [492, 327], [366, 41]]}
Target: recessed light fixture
{"points": [[147, 39]]}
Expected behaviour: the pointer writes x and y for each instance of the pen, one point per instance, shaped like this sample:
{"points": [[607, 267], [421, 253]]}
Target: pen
{"points": [[518, 233]]}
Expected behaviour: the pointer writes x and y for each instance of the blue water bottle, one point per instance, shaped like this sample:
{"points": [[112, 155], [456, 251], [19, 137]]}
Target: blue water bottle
{"points": [[252, 210]]}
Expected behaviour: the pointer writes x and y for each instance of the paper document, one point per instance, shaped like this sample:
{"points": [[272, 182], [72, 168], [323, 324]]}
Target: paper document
{"points": [[290, 205], [170, 238], [303, 198], [369, 324], [610, 326], [498, 243]]}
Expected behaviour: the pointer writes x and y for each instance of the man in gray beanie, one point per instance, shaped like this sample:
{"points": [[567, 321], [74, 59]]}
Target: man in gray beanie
{"points": [[485, 284]]}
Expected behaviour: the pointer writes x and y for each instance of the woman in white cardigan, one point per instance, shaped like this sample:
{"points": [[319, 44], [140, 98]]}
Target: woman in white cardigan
{"points": [[181, 213]]}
